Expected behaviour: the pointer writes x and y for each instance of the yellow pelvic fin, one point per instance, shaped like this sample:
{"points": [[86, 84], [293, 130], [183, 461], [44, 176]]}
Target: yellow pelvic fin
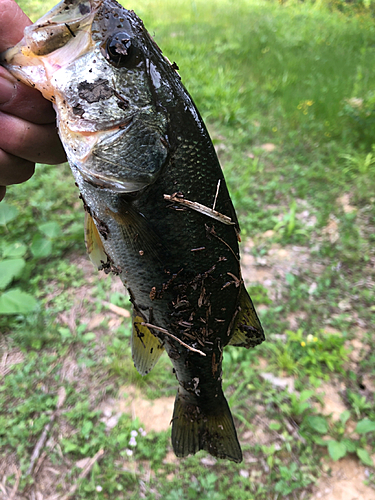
{"points": [[94, 244], [248, 331], [146, 348]]}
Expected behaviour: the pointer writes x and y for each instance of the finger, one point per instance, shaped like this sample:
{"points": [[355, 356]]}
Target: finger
{"points": [[30, 141], [15, 97], [23, 101], [12, 23], [2, 192], [14, 170]]}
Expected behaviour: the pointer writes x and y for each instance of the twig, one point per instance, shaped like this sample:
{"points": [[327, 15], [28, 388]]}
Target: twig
{"points": [[217, 193], [120, 311], [39, 462], [40, 444], [198, 207], [293, 430], [3, 489], [173, 337], [4, 359], [83, 474], [16, 484], [211, 232]]}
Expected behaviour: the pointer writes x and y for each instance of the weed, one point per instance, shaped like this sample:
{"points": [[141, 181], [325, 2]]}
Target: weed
{"points": [[289, 226], [314, 355], [360, 404], [360, 112], [360, 168]]}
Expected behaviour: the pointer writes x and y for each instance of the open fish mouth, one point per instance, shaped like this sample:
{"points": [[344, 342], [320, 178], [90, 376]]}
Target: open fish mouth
{"points": [[96, 71], [60, 37]]}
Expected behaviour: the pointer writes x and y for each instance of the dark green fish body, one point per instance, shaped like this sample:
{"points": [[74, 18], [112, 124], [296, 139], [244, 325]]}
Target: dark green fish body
{"points": [[158, 212]]}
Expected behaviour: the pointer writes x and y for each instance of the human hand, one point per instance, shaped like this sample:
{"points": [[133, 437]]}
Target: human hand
{"points": [[27, 121]]}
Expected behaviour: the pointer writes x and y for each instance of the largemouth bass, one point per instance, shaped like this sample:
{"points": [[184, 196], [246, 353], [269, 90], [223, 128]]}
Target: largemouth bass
{"points": [[157, 209]]}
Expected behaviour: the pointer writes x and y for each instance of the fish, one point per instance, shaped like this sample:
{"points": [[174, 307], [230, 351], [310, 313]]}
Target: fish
{"points": [[157, 208]]}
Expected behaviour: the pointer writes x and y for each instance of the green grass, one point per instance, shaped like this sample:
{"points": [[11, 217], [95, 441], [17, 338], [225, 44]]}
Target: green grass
{"points": [[260, 72]]}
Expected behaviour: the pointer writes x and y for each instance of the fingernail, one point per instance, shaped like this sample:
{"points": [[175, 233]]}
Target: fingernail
{"points": [[7, 90]]}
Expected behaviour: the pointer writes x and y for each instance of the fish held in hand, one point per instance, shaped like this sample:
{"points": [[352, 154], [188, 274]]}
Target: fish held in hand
{"points": [[157, 209]]}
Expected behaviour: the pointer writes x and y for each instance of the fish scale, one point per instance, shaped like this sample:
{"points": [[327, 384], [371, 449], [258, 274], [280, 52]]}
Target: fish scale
{"points": [[158, 211]]}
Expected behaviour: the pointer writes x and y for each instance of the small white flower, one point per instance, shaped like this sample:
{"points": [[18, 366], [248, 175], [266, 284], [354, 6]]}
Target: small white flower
{"points": [[142, 432], [134, 434], [129, 452], [99, 488], [132, 441]]}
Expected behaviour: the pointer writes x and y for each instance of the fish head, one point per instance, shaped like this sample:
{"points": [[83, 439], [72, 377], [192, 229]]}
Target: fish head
{"points": [[98, 65]]}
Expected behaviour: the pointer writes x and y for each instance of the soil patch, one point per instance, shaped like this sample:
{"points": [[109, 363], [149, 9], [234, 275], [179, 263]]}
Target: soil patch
{"points": [[154, 415], [271, 268], [332, 402], [345, 482]]}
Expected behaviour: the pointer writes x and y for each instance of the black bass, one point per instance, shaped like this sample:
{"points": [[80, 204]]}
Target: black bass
{"points": [[158, 211]]}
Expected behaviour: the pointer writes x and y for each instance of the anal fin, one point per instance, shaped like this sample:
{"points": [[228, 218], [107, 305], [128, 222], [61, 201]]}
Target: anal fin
{"points": [[146, 348], [248, 331]]}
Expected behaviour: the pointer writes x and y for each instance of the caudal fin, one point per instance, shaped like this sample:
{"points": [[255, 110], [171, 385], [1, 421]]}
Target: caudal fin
{"points": [[194, 429]]}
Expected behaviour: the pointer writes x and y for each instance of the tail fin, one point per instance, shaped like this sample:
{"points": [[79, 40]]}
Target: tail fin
{"points": [[194, 429]]}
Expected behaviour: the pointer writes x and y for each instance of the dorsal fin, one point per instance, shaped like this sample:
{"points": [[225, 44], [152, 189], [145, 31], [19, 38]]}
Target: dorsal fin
{"points": [[248, 331], [94, 244], [146, 348]]}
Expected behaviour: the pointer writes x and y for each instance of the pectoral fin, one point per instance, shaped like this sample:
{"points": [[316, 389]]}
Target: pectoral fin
{"points": [[146, 348], [248, 331], [138, 234], [94, 245]]}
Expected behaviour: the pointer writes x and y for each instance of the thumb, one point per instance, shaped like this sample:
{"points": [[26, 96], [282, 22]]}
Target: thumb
{"points": [[12, 23]]}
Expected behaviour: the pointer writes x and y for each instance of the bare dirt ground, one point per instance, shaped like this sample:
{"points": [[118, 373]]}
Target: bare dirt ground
{"points": [[344, 482]]}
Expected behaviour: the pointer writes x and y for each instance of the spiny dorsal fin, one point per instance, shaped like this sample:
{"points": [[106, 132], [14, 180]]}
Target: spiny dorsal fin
{"points": [[94, 245], [146, 348], [248, 331]]}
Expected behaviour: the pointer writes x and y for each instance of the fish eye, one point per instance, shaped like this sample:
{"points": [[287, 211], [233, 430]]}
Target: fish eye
{"points": [[122, 52]]}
